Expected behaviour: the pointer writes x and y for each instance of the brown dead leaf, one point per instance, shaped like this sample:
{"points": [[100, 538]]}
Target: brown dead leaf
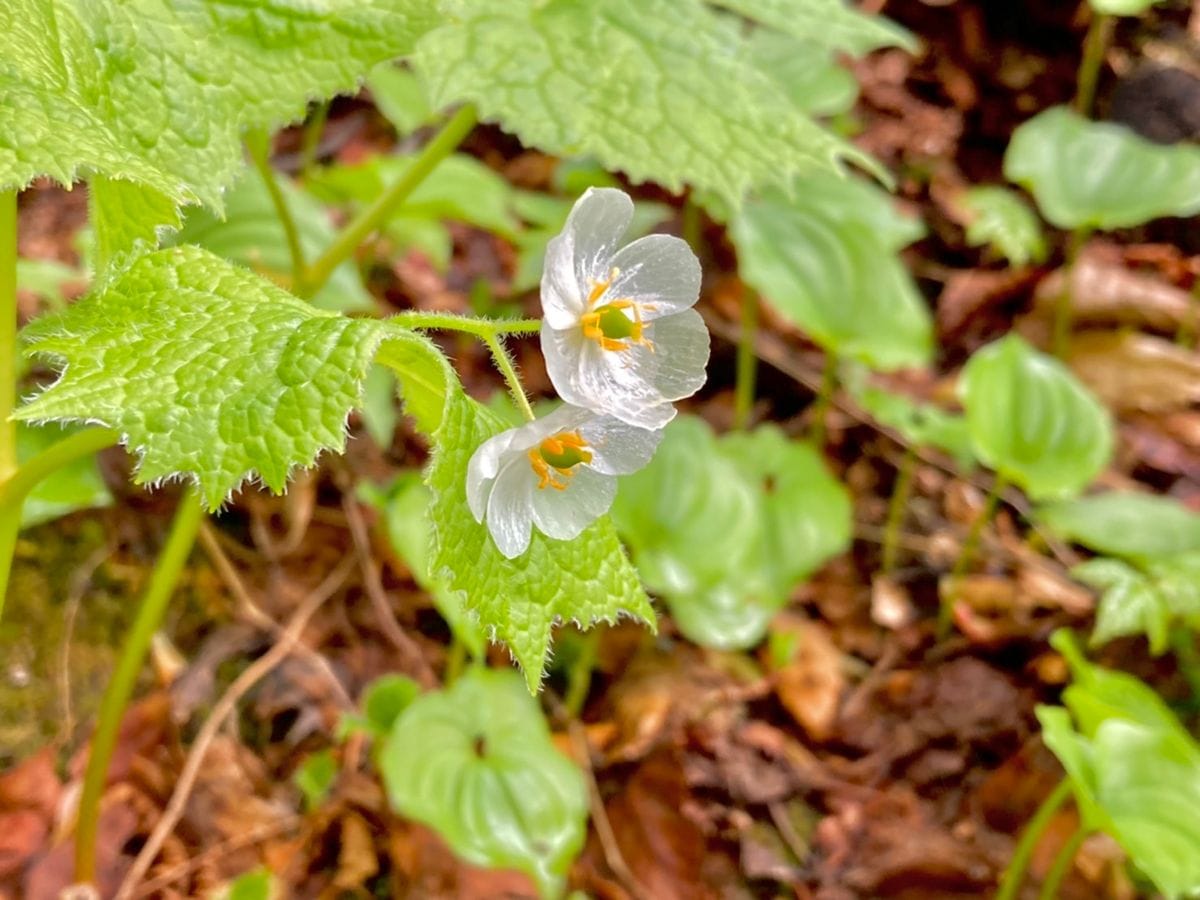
{"points": [[119, 823], [810, 686], [357, 859], [22, 833], [891, 604], [1106, 292], [1131, 371], [32, 785]]}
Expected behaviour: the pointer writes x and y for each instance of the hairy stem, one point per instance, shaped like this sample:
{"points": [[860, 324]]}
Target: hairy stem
{"points": [[1183, 644], [824, 399], [112, 708], [311, 139], [1095, 44], [259, 145], [8, 332], [480, 328], [1062, 865], [505, 364], [1010, 884], [901, 491], [14, 491], [747, 362], [1064, 305], [967, 554], [579, 679], [371, 218]]}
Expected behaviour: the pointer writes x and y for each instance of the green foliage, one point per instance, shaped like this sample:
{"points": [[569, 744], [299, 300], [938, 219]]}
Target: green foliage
{"points": [[1123, 523], [1147, 599], [1032, 421], [1135, 770], [383, 701], [405, 508], [475, 762], [807, 72], [724, 529], [159, 91], [1087, 174], [315, 777], [919, 424], [824, 257], [251, 234], [1003, 221], [831, 24], [206, 370], [127, 219], [1122, 7], [399, 96], [257, 884], [655, 88], [75, 486]]}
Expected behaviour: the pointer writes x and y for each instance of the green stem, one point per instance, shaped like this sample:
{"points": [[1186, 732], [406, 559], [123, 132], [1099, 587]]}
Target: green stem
{"points": [[505, 364], [1062, 865], [481, 328], [747, 363], [8, 332], [455, 659], [824, 399], [120, 688], [375, 215], [901, 491], [690, 223], [1010, 884], [259, 145], [313, 129], [579, 679], [1064, 305], [1099, 35], [967, 554], [14, 491], [1183, 643]]}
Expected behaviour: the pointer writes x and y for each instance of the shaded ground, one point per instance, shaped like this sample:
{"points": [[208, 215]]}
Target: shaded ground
{"points": [[878, 763]]}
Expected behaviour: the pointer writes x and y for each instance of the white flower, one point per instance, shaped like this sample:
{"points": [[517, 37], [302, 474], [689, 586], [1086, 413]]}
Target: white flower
{"points": [[619, 335], [558, 473]]}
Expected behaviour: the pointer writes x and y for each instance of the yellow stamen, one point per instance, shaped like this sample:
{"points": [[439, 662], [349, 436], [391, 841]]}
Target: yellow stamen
{"points": [[608, 324], [556, 457]]}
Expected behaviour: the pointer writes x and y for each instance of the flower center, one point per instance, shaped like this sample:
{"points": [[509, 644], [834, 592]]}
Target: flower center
{"points": [[554, 459], [615, 325]]}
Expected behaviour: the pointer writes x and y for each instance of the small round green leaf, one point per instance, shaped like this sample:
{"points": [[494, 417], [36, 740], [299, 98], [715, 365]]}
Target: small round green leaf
{"points": [[1087, 174], [824, 258], [1002, 220], [475, 762], [1032, 421], [1123, 523], [1122, 7]]}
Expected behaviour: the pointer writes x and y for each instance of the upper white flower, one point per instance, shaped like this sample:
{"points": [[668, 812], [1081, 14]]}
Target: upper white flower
{"points": [[558, 473], [618, 332]]}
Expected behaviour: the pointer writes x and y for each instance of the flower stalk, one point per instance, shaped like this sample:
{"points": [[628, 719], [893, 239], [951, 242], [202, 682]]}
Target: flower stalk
{"points": [[8, 333], [747, 363]]}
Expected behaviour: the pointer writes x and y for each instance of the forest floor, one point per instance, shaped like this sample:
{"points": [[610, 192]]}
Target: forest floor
{"points": [[880, 762]]}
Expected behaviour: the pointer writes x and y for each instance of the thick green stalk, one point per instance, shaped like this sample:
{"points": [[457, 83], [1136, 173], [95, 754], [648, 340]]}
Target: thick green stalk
{"points": [[1099, 35], [579, 677], [901, 491], [1183, 644], [747, 362], [14, 491], [967, 554], [480, 328], [371, 218], [1010, 884], [1062, 865], [259, 145], [314, 128], [824, 399], [137, 642], [8, 332], [505, 364], [1064, 305]]}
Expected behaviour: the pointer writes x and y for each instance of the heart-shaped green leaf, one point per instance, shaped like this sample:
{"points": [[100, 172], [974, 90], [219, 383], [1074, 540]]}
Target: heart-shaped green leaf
{"points": [[1002, 220], [919, 424], [1032, 421], [1087, 174], [475, 762], [1124, 523], [824, 258]]}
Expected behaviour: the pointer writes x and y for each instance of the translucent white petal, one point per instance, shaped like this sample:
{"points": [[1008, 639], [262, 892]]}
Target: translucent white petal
{"points": [[681, 345], [482, 469], [564, 514], [659, 270], [617, 447], [510, 507]]}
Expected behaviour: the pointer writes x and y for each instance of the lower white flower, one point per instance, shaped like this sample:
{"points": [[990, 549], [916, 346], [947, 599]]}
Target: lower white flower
{"points": [[558, 473]]}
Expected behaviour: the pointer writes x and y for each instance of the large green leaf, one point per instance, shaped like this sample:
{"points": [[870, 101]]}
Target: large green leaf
{"points": [[831, 24], [824, 258], [1134, 768], [1124, 523], [1032, 421], [655, 88], [724, 530], [1151, 600], [1087, 174], [213, 373], [1002, 220], [75, 486], [250, 233], [475, 762], [158, 91], [809, 73], [919, 424]]}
